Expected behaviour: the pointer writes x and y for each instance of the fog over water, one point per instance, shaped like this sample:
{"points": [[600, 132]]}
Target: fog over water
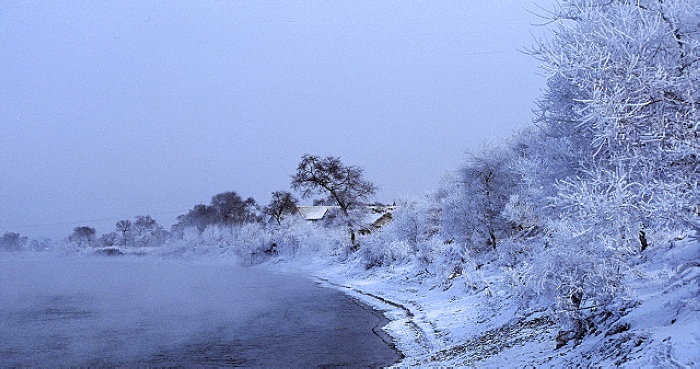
{"points": [[58, 310]]}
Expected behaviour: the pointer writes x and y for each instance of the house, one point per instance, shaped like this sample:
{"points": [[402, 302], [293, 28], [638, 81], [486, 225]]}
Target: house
{"points": [[313, 213], [376, 217]]}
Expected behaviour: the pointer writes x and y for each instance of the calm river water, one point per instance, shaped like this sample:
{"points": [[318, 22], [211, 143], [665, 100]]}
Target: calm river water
{"points": [[99, 311]]}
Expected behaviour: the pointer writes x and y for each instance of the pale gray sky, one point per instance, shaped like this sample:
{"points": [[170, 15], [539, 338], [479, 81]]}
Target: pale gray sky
{"points": [[112, 109]]}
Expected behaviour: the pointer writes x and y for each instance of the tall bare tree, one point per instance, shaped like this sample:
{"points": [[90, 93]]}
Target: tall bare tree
{"points": [[233, 209], [344, 184], [282, 203], [124, 227]]}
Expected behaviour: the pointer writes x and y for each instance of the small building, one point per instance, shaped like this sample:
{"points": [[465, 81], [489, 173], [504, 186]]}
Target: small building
{"points": [[376, 216], [314, 213]]}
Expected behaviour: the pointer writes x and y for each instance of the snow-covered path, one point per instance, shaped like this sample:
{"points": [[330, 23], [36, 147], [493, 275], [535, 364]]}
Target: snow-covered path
{"points": [[96, 311]]}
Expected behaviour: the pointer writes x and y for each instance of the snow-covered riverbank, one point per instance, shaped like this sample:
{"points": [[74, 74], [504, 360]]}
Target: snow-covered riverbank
{"points": [[438, 322], [470, 319]]}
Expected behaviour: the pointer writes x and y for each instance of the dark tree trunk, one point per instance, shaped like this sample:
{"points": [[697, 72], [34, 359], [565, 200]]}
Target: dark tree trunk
{"points": [[643, 240]]}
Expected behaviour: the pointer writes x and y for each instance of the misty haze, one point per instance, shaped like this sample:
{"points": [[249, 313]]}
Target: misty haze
{"points": [[493, 183], [95, 311]]}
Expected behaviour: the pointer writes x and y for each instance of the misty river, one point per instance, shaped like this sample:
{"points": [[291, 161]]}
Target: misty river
{"points": [[129, 311]]}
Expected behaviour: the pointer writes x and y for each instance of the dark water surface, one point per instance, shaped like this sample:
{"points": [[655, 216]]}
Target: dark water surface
{"points": [[98, 311]]}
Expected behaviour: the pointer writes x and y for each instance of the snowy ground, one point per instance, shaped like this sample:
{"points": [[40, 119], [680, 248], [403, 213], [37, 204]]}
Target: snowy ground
{"points": [[450, 324]]}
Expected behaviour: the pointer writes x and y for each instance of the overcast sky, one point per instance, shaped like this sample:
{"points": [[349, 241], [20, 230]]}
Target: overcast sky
{"points": [[112, 109]]}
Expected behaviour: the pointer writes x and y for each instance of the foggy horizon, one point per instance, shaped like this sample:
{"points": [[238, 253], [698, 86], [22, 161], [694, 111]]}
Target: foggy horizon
{"points": [[115, 110]]}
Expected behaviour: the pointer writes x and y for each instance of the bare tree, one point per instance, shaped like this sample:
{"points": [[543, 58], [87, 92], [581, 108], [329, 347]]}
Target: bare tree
{"points": [[124, 227], [343, 184], [282, 203], [233, 209], [201, 216]]}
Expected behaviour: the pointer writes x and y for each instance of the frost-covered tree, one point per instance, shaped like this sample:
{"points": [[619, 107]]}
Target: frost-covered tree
{"points": [[474, 198], [199, 217], [618, 159], [343, 184], [147, 231], [623, 94], [82, 236], [11, 241], [226, 208], [109, 239]]}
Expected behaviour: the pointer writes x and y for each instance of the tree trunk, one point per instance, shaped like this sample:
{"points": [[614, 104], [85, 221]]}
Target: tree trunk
{"points": [[643, 240]]}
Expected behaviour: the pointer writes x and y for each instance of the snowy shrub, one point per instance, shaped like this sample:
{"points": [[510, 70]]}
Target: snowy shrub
{"points": [[385, 253], [512, 252], [578, 279], [190, 239], [409, 236], [449, 261], [406, 224], [426, 252], [296, 237], [244, 241], [250, 242], [521, 212], [42, 245], [284, 241]]}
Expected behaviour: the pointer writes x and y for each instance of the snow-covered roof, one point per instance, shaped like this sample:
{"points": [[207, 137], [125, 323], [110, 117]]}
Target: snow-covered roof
{"points": [[314, 212], [319, 212]]}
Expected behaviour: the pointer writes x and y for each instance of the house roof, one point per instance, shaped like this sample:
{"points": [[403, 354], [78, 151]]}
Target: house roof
{"points": [[318, 212], [314, 212]]}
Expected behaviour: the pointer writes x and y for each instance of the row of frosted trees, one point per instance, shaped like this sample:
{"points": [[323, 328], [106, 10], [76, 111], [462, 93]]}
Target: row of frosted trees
{"points": [[611, 169], [340, 185], [226, 209]]}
